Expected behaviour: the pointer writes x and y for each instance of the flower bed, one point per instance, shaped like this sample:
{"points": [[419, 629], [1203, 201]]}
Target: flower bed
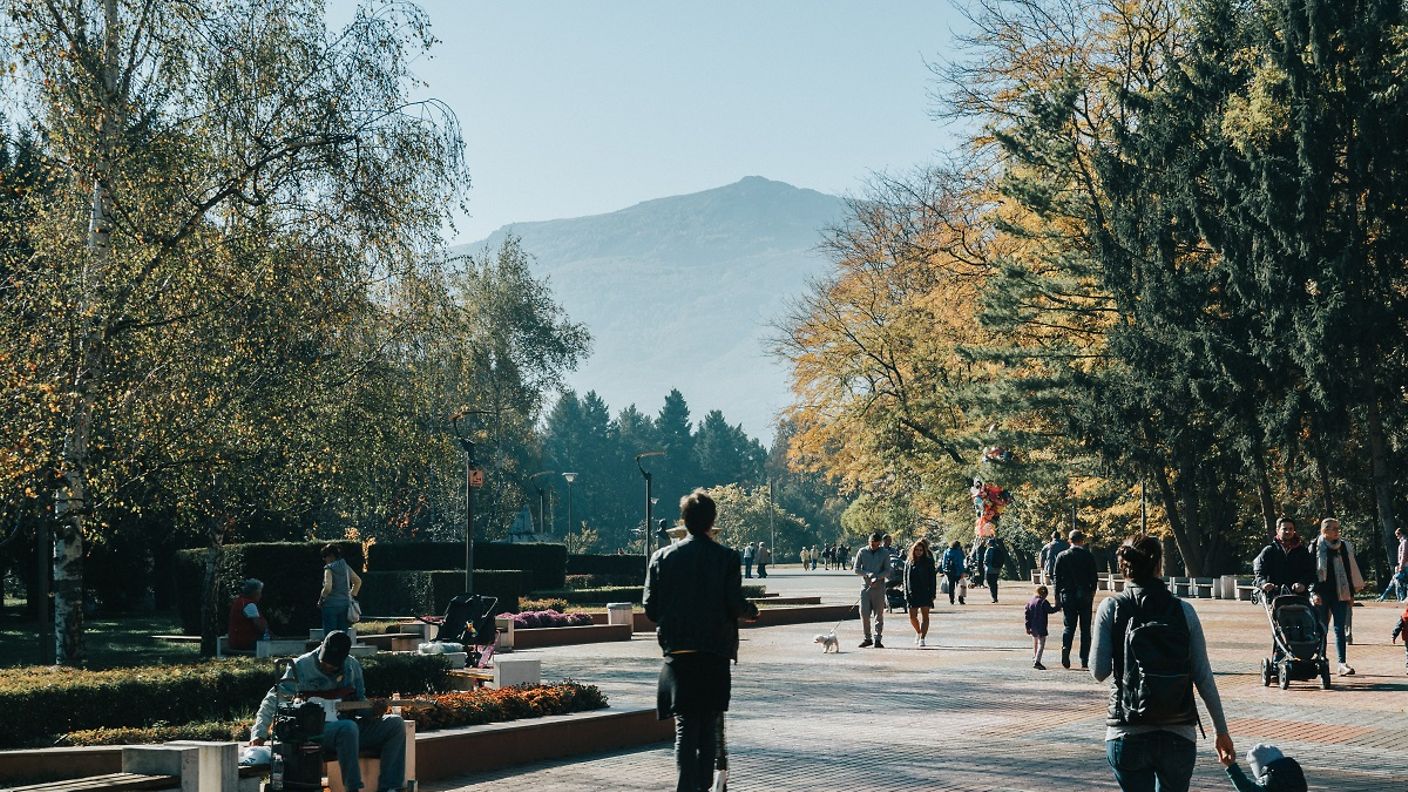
{"points": [[551, 617], [474, 707]]}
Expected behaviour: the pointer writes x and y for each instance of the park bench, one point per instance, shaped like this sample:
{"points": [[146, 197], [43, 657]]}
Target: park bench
{"points": [[110, 781], [1202, 588], [393, 642]]}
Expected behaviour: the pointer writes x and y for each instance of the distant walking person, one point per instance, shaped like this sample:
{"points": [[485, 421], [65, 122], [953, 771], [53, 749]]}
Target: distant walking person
{"points": [[806, 556], [748, 552], [873, 565], [1398, 576], [695, 597], [1075, 579], [1049, 552], [1337, 573], [921, 578], [1037, 610], [762, 558], [994, 558], [1150, 644], [816, 556], [340, 586], [953, 567]]}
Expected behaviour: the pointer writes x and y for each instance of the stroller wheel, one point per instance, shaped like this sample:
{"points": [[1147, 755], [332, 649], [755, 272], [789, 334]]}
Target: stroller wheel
{"points": [[1265, 672], [1285, 675]]}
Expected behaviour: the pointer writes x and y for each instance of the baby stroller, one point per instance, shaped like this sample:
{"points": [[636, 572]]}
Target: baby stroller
{"points": [[1298, 642], [468, 620], [894, 586]]}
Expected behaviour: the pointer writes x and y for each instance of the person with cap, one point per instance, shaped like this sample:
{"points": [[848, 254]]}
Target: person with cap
{"points": [[331, 672], [1272, 771]]}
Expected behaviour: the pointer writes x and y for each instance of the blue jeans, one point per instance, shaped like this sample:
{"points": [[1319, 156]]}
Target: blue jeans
{"points": [[335, 617], [1158, 760], [385, 737], [1339, 609]]}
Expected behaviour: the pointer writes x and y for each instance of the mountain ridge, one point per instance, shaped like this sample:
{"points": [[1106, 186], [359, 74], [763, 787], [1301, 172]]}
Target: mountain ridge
{"points": [[678, 292]]}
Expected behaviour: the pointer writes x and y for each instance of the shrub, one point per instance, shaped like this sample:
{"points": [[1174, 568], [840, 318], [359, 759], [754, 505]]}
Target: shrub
{"points": [[56, 700], [292, 573], [527, 620], [552, 603], [630, 566], [474, 707], [545, 562], [217, 731], [603, 581], [754, 589], [418, 593]]}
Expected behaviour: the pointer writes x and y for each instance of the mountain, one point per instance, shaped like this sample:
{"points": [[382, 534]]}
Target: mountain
{"points": [[679, 292]]}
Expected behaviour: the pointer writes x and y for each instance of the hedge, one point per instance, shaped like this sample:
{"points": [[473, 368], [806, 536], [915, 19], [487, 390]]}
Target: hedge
{"points": [[546, 562], [632, 565], [410, 593], [292, 573], [45, 702], [597, 596]]}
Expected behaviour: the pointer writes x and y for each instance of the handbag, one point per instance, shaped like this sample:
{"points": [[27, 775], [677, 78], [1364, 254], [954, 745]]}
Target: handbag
{"points": [[354, 611], [943, 585]]}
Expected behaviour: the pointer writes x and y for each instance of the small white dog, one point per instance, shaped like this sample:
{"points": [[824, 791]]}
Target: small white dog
{"points": [[828, 643]]}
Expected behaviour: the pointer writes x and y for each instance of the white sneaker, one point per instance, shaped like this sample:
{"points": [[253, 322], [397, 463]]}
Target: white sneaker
{"points": [[720, 781], [916, 640], [921, 642], [1346, 670]]}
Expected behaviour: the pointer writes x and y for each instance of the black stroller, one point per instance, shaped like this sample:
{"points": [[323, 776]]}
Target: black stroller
{"points": [[468, 620], [894, 586], [1297, 642]]}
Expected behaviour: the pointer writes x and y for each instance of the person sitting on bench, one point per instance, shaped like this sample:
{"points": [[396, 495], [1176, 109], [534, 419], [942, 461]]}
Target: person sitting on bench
{"points": [[246, 624], [329, 672]]}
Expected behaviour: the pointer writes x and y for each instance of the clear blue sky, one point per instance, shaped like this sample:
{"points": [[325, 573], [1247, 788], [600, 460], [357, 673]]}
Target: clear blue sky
{"points": [[572, 108]]}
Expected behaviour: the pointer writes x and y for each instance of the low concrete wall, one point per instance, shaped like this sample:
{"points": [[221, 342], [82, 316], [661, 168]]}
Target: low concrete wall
{"points": [[41, 765], [803, 614], [539, 637], [477, 749]]}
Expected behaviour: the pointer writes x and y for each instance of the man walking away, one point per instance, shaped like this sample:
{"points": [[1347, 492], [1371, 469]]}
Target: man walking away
{"points": [[1075, 578], [748, 560], [695, 596], [1049, 552], [994, 558], [873, 565], [763, 557]]}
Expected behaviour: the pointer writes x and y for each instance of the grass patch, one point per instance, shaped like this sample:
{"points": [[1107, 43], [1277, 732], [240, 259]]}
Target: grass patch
{"points": [[111, 642]]}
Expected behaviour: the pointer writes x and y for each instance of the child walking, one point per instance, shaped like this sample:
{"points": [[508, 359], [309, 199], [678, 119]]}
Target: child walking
{"points": [[1038, 608], [1272, 771], [1402, 629]]}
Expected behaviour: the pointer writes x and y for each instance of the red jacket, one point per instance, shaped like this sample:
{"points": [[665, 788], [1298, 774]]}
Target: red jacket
{"points": [[243, 631]]}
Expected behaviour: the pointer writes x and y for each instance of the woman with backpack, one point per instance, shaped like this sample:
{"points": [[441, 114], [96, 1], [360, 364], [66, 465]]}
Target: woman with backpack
{"points": [[1150, 644], [953, 567]]}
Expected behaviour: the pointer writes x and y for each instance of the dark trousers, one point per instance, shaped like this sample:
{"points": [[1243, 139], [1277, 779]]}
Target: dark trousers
{"points": [[747, 569], [952, 586], [1076, 611], [696, 749], [1154, 761], [992, 585], [762, 570]]}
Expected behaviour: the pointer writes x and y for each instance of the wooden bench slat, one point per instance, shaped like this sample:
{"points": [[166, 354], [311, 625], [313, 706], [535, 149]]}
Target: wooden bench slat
{"points": [[134, 781]]}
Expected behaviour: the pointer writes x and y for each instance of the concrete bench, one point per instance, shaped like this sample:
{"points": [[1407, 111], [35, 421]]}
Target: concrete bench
{"points": [[506, 672], [1202, 588], [1244, 593], [392, 642]]}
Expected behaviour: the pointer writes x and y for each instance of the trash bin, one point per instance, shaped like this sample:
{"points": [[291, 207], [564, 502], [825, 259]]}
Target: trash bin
{"points": [[619, 613]]}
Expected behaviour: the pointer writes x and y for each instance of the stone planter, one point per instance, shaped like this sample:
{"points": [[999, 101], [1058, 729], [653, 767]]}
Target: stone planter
{"points": [[539, 637]]}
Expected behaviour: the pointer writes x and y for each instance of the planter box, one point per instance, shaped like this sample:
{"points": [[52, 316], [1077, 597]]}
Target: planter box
{"points": [[38, 766], [788, 601], [803, 614], [477, 749], [539, 637]]}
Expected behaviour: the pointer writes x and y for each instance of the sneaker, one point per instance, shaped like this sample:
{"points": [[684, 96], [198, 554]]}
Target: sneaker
{"points": [[878, 645], [1065, 657], [1084, 666], [1346, 670], [916, 641], [1038, 666], [922, 644], [961, 602], [866, 642]]}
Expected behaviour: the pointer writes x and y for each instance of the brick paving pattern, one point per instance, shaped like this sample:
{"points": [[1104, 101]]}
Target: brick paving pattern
{"points": [[969, 714]]}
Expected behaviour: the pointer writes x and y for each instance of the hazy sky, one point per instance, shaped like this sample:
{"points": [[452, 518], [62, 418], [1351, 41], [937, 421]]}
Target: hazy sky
{"points": [[571, 108]]}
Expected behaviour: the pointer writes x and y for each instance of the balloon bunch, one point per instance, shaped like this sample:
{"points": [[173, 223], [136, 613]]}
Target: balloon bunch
{"points": [[989, 501]]}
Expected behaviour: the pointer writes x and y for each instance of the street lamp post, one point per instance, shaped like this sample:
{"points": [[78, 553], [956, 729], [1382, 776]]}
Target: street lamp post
{"points": [[470, 470], [542, 514], [567, 532], [649, 501]]}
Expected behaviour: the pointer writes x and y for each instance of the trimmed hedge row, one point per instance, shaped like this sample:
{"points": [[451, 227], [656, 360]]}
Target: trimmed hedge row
{"points": [[45, 702], [546, 562], [292, 573], [629, 565], [597, 596], [412, 593]]}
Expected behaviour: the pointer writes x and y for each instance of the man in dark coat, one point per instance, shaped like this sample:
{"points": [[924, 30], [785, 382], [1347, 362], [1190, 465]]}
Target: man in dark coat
{"points": [[1284, 562], [694, 593], [1075, 580]]}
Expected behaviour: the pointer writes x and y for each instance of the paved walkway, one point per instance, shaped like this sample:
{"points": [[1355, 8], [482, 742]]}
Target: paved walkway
{"points": [[969, 713]]}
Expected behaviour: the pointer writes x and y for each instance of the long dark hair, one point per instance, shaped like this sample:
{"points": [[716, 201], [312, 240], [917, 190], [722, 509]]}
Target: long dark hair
{"points": [[1140, 557], [914, 549]]}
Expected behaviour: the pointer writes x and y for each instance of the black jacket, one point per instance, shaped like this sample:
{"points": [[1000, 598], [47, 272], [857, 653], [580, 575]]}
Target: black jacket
{"points": [[1076, 576], [921, 580], [694, 594], [1277, 566]]}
